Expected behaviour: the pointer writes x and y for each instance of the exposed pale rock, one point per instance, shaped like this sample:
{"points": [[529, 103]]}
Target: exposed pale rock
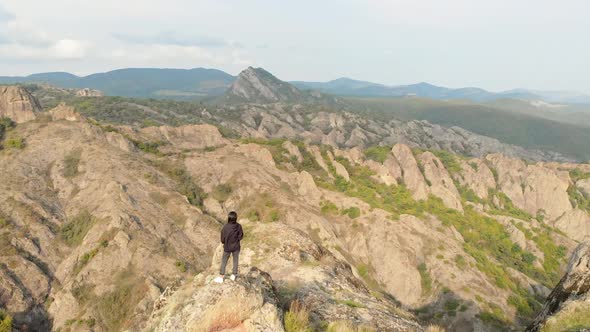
{"points": [[18, 104], [573, 291], [186, 137], [249, 304], [575, 223], [584, 186], [257, 152], [545, 190], [213, 207], [307, 187], [532, 188], [510, 177], [477, 176], [383, 173], [64, 112], [293, 150], [441, 184], [317, 154], [86, 92], [413, 178]]}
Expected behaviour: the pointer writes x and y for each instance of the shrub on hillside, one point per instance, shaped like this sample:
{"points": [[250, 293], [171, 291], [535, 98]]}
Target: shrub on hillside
{"points": [[71, 163], [15, 143], [74, 231], [5, 322], [297, 318]]}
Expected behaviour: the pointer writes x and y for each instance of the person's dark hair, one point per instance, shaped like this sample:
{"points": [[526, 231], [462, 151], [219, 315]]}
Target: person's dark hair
{"points": [[232, 217]]}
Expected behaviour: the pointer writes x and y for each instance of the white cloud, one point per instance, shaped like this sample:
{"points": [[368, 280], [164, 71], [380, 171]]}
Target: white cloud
{"points": [[69, 49]]}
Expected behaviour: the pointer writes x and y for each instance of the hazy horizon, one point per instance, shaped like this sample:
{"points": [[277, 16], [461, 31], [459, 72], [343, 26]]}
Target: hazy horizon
{"points": [[494, 45]]}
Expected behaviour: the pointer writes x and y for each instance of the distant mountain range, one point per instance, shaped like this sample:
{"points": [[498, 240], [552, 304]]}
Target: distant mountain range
{"points": [[351, 87], [140, 82], [200, 83]]}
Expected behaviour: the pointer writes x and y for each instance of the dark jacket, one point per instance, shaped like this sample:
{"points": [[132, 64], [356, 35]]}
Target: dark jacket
{"points": [[231, 235]]}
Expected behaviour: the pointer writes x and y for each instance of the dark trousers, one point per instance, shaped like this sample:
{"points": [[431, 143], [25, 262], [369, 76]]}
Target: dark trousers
{"points": [[225, 258]]}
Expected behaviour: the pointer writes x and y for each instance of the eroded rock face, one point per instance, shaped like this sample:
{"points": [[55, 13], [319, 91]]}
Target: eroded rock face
{"points": [[412, 175], [86, 92], [18, 104], [441, 184], [249, 304], [477, 176], [258, 85], [186, 137], [532, 188], [64, 112], [575, 223], [573, 291], [293, 150]]}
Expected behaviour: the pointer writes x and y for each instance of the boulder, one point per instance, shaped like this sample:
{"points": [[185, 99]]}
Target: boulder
{"points": [[18, 104], [247, 304]]}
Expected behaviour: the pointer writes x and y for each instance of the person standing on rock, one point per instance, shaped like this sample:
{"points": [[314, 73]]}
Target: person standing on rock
{"points": [[231, 235]]}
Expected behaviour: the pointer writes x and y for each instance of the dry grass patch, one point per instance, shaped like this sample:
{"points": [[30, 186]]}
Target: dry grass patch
{"points": [[346, 326], [297, 318]]}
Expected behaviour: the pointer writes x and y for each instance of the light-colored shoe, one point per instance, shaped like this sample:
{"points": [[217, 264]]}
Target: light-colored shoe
{"points": [[233, 277], [218, 280]]}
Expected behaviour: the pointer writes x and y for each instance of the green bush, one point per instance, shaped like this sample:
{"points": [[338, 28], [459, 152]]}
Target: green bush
{"points": [[181, 266], [74, 231], [15, 143], [5, 322], [425, 279], [222, 192], [5, 125], [452, 305], [378, 153], [352, 212], [352, 304], [185, 184], [71, 163], [329, 208], [576, 174], [449, 160]]}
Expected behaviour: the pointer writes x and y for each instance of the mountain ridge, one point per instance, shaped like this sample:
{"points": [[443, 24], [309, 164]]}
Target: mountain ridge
{"points": [[341, 86]]}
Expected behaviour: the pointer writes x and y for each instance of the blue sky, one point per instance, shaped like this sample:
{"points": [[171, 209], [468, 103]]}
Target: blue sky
{"points": [[496, 45]]}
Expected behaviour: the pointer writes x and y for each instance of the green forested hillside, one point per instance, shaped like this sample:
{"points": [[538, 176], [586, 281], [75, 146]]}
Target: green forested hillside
{"points": [[508, 127]]}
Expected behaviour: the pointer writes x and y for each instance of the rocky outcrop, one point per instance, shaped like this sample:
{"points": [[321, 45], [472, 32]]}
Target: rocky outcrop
{"points": [[307, 187], [18, 104], [256, 85], [64, 112], [532, 188], [440, 182], [412, 176], [185, 137], [247, 304], [477, 176], [569, 302], [86, 92], [584, 186], [575, 223], [293, 151]]}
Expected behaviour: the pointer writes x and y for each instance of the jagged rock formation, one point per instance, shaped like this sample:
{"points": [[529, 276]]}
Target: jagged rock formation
{"points": [[247, 304], [17, 104], [86, 92], [567, 308], [256, 85], [133, 195]]}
